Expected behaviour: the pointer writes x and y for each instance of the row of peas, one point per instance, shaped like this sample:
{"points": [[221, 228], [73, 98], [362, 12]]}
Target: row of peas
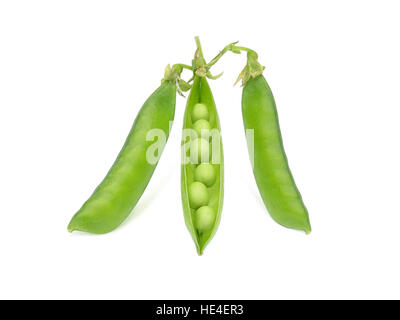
{"points": [[204, 173]]}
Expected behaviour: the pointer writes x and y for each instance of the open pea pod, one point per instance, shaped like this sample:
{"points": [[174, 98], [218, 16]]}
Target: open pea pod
{"points": [[202, 171]]}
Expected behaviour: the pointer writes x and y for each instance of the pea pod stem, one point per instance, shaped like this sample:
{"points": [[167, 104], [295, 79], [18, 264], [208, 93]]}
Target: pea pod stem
{"points": [[252, 69], [202, 68], [227, 48], [199, 51], [230, 47], [240, 48], [173, 74], [184, 66]]}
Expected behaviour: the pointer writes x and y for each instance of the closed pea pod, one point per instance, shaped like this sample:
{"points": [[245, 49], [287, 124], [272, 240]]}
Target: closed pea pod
{"points": [[270, 166], [116, 196]]}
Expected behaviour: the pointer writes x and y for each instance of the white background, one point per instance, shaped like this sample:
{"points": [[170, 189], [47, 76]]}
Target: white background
{"points": [[73, 75]]}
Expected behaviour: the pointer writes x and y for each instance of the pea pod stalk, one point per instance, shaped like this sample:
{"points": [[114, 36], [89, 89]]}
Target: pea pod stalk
{"points": [[116, 196]]}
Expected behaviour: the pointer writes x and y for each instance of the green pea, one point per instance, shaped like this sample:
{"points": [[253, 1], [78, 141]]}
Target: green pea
{"points": [[200, 111], [198, 195], [200, 151], [202, 127], [205, 173], [204, 218]]}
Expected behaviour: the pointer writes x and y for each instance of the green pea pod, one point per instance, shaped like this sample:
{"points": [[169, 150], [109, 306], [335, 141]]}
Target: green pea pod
{"points": [[116, 196], [270, 166], [202, 175]]}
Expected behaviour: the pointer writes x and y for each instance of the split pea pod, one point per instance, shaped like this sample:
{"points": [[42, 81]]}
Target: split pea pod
{"points": [[116, 196], [202, 171], [270, 165]]}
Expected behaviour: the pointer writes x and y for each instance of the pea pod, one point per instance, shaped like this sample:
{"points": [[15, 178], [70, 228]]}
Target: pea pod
{"points": [[116, 196], [202, 175], [270, 166]]}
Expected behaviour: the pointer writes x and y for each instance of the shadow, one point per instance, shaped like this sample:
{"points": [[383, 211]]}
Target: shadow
{"points": [[146, 199], [256, 195], [77, 233]]}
